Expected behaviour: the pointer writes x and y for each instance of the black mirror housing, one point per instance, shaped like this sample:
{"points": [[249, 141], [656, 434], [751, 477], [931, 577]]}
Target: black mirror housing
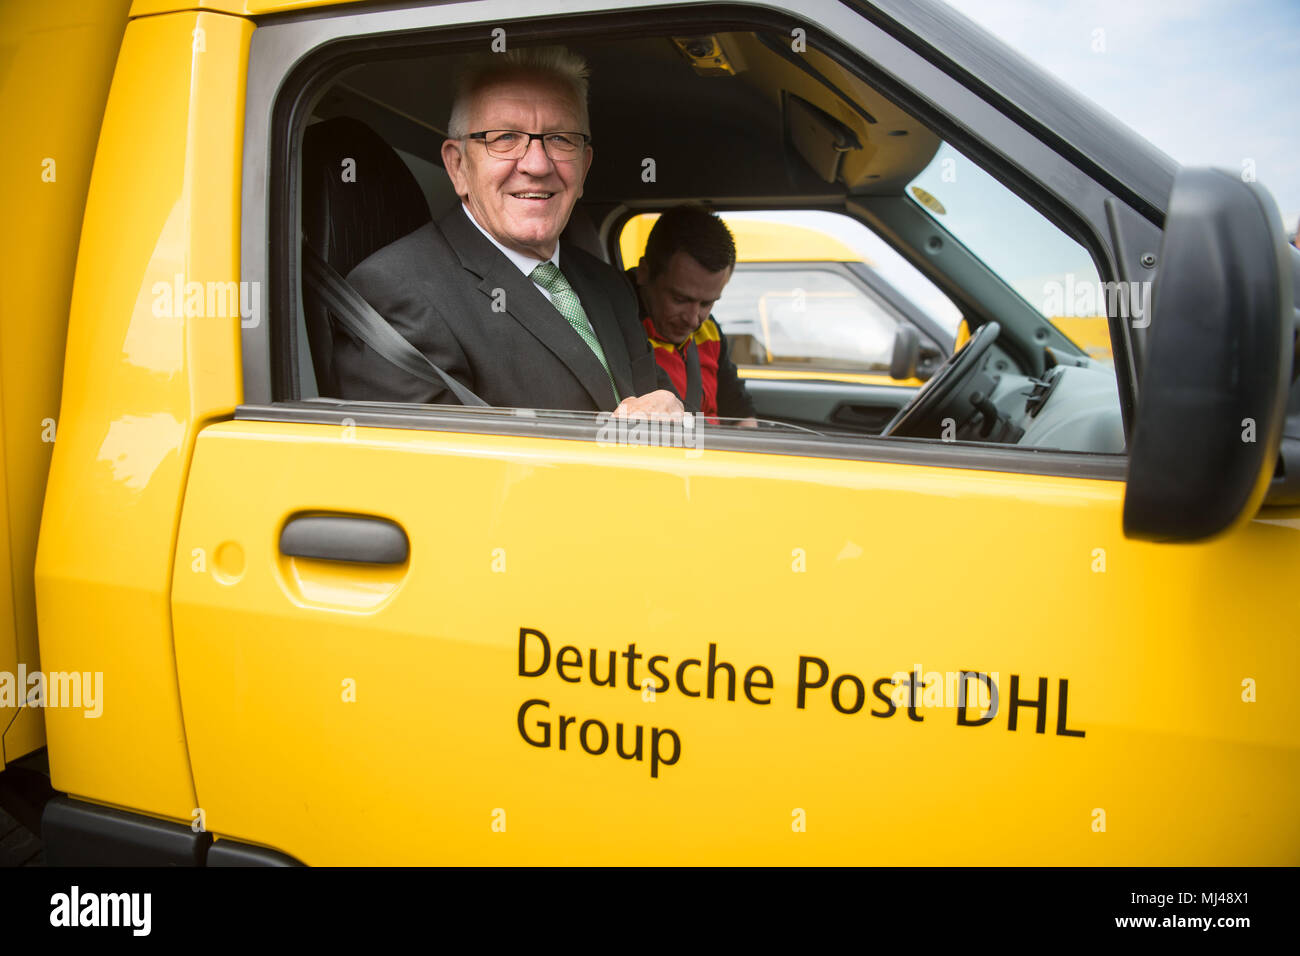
{"points": [[907, 352], [1213, 394]]}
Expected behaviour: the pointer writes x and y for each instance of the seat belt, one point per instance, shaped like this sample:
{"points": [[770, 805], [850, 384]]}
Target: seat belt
{"points": [[694, 397], [360, 318]]}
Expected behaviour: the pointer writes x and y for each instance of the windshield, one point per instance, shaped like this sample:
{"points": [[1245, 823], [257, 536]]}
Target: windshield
{"points": [[1048, 269]]}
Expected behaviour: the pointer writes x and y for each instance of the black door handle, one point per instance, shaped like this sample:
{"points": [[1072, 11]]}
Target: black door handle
{"points": [[353, 538]]}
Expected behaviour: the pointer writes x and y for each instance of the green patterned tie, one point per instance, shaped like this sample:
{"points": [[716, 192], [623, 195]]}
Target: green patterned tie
{"points": [[549, 277]]}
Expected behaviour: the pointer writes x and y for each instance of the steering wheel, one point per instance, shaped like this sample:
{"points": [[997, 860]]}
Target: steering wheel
{"points": [[922, 417]]}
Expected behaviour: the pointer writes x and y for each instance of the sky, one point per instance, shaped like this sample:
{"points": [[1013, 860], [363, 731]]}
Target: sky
{"points": [[1209, 82]]}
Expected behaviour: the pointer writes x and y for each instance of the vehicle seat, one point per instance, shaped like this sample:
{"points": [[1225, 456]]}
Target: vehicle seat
{"points": [[581, 231], [344, 222]]}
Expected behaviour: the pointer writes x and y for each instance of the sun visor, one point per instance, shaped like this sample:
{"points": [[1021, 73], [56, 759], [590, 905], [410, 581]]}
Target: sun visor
{"points": [[818, 137]]}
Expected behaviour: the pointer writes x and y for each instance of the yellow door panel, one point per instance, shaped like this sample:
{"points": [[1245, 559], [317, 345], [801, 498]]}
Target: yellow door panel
{"points": [[378, 714], [145, 367]]}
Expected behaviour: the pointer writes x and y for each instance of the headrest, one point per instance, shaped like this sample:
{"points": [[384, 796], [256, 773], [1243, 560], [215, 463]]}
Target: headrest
{"points": [[581, 231], [351, 209]]}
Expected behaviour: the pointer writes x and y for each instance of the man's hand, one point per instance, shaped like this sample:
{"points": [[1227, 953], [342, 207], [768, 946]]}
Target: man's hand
{"points": [[656, 405]]}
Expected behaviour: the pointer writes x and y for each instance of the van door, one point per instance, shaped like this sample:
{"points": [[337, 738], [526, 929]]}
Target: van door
{"points": [[558, 670], [434, 635]]}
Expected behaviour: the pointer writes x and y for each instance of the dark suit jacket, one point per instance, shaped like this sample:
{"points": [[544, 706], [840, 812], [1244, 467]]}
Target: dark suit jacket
{"points": [[477, 317]]}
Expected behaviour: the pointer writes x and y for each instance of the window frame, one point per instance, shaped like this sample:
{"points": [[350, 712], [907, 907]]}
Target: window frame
{"points": [[293, 57]]}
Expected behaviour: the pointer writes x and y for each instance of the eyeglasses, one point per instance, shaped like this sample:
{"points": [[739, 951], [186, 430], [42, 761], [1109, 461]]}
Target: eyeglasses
{"points": [[513, 143]]}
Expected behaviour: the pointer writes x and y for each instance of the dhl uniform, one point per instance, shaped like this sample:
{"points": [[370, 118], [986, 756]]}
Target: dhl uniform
{"points": [[700, 368]]}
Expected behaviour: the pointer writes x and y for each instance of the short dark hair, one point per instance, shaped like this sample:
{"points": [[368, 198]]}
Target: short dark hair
{"points": [[693, 229]]}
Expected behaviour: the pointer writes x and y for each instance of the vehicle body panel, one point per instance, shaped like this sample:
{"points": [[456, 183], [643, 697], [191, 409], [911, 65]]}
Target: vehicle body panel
{"points": [[55, 84], [140, 379], [424, 760], [756, 241]]}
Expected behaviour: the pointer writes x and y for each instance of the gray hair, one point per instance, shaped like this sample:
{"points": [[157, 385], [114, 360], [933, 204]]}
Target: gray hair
{"points": [[554, 62]]}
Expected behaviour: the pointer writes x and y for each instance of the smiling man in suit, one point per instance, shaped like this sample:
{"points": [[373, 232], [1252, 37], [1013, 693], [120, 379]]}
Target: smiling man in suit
{"points": [[489, 292]]}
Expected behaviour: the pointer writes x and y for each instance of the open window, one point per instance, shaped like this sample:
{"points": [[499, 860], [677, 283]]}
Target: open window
{"points": [[729, 112]]}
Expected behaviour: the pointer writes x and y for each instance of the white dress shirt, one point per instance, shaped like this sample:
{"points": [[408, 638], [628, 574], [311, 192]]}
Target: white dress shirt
{"points": [[525, 264]]}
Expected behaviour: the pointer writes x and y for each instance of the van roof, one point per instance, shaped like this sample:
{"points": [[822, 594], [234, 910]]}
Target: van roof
{"points": [[757, 240]]}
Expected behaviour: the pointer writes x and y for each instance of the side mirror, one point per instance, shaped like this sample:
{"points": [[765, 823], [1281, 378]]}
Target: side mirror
{"points": [[931, 361], [1285, 490], [907, 352], [1213, 394]]}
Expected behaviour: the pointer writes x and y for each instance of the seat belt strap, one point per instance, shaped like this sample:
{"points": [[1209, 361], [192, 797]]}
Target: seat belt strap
{"points": [[694, 397], [360, 318]]}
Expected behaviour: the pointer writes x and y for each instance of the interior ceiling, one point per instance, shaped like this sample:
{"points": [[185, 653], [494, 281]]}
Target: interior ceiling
{"points": [[715, 137]]}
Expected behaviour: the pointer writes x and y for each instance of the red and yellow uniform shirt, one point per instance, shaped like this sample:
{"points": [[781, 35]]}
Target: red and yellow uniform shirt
{"points": [[715, 388]]}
